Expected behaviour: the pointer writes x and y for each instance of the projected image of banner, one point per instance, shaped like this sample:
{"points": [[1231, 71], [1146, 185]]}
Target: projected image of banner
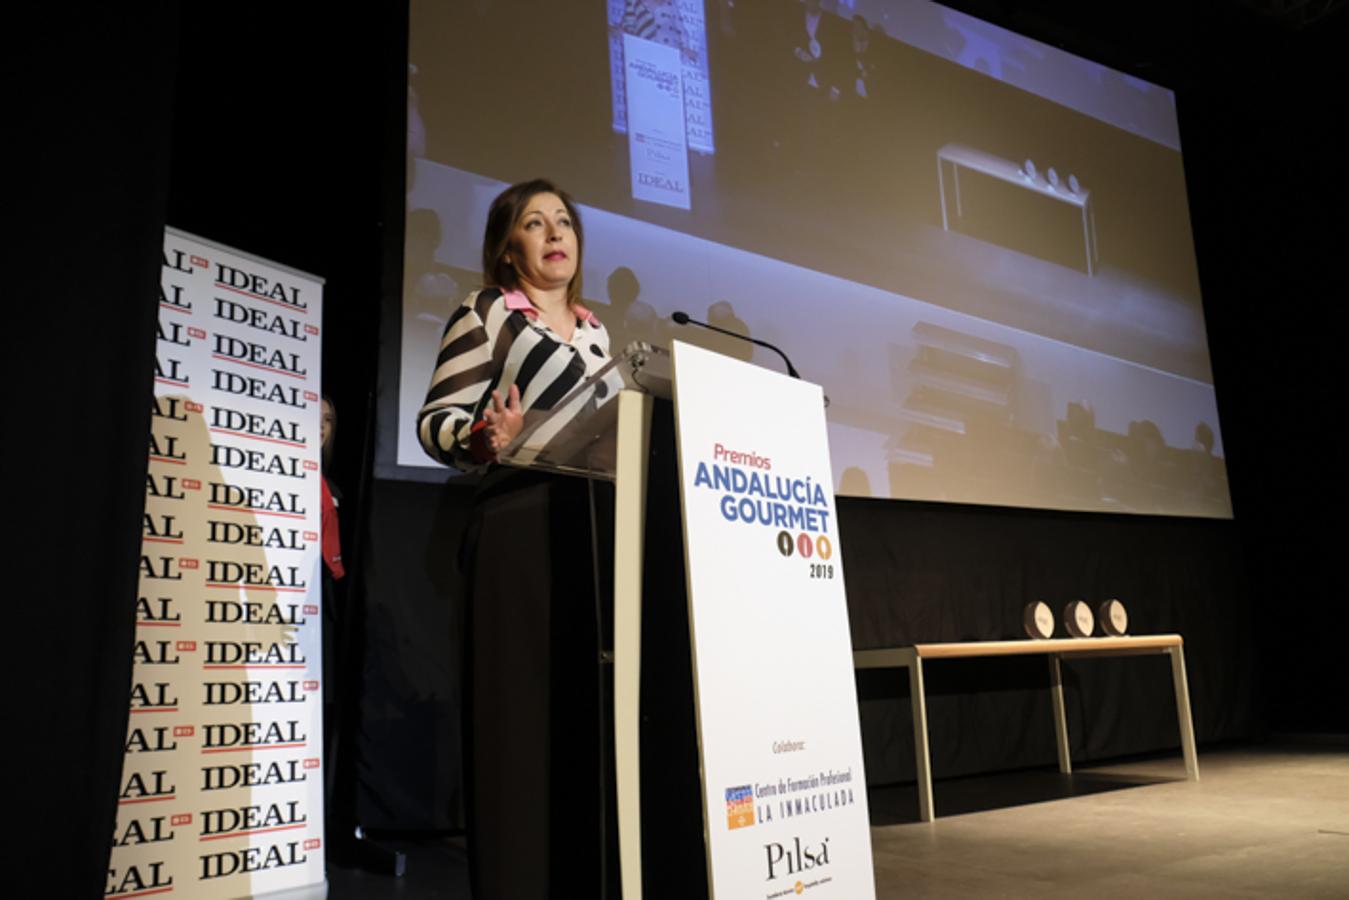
{"points": [[678, 25], [657, 153], [222, 785], [979, 245]]}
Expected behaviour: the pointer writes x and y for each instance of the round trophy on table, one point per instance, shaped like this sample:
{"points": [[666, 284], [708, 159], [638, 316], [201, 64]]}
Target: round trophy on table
{"points": [[1038, 620], [1078, 619], [1114, 618]]}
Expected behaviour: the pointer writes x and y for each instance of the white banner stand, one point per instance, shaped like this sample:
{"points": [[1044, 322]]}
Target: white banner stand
{"points": [[222, 779], [784, 792]]}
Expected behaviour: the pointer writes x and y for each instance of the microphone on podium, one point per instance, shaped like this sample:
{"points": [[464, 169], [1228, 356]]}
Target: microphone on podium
{"points": [[682, 318]]}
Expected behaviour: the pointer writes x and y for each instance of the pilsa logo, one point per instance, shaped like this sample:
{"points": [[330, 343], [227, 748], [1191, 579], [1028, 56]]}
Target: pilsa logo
{"points": [[798, 859], [797, 509]]}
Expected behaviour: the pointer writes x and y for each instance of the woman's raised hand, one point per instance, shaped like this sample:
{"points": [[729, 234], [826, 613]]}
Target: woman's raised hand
{"points": [[504, 419]]}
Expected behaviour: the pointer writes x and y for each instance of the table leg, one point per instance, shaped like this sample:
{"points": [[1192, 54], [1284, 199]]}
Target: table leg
{"points": [[941, 190], [1095, 247], [1086, 240], [1183, 716], [921, 760], [1060, 714]]}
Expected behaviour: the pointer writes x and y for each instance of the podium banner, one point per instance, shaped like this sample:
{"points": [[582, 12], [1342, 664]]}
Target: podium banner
{"points": [[222, 786], [784, 792]]}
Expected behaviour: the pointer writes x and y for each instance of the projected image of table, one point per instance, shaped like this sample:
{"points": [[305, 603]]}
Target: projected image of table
{"points": [[912, 658], [958, 157]]}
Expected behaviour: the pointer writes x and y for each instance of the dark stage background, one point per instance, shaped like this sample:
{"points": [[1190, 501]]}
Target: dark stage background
{"points": [[280, 131]]}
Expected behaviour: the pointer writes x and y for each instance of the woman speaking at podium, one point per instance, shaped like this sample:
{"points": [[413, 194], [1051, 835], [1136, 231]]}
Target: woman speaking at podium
{"points": [[523, 342]]}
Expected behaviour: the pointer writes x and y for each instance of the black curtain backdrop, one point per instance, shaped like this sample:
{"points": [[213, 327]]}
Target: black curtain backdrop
{"points": [[1265, 166], [86, 210], [279, 132]]}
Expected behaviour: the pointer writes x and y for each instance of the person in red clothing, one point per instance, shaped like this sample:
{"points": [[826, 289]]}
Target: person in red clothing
{"points": [[331, 612], [332, 538]]}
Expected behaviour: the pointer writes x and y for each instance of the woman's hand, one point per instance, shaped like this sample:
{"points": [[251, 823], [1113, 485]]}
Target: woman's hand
{"points": [[504, 420]]}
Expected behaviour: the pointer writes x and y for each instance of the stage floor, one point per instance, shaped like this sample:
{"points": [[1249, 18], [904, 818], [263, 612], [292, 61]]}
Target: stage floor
{"points": [[1264, 821]]}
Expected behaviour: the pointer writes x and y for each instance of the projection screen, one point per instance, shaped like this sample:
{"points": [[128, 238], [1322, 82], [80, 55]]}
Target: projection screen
{"points": [[978, 244]]}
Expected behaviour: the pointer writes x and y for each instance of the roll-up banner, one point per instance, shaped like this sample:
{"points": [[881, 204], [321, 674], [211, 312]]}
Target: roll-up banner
{"points": [[222, 786], [784, 793]]}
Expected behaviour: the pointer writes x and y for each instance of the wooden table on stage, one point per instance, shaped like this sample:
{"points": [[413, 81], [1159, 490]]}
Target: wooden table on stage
{"points": [[912, 658]]}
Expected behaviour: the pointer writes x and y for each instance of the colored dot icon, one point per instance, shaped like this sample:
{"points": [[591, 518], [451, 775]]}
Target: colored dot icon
{"points": [[805, 545]]}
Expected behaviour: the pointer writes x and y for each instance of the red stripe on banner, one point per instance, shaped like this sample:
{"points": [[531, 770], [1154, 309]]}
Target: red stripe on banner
{"points": [[244, 362], [159, 624], [147, 800], [260, 512], [258, 437], [176, 462], [162, 890], [148, 709], [221, 837], [269, 300], [255, 587], [171, 381], [160, 540], [256, 666], [266, 300], [175, 308], [267, 747]]}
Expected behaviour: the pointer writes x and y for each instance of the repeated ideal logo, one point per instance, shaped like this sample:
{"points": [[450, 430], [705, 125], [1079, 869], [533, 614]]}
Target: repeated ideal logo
{"points": [[793, 510], [222, 789]]}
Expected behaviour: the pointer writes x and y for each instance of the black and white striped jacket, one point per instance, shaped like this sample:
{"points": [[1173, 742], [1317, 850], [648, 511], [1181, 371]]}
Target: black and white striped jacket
{"points": [[491, 342]]}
